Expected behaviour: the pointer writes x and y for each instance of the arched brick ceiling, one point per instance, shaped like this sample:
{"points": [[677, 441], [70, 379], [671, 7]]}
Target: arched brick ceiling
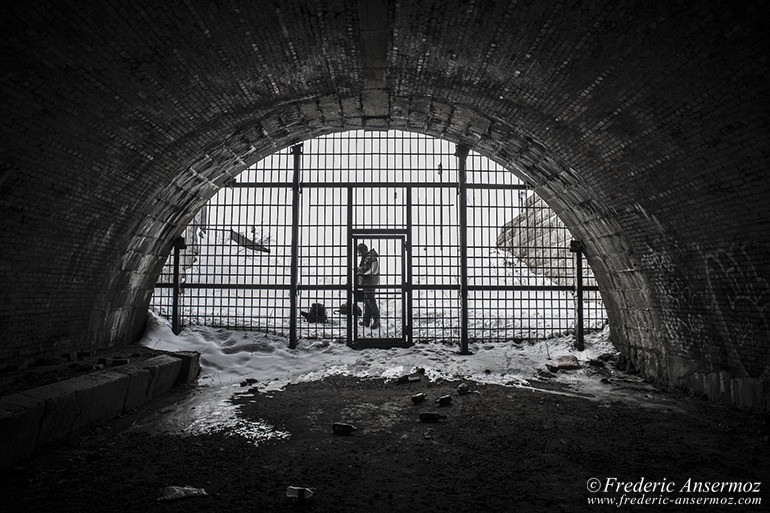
{"points": [[643, 125]]}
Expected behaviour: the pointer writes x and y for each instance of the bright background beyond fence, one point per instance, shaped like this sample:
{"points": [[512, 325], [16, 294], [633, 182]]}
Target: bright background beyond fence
{"points": [[236, 270]]}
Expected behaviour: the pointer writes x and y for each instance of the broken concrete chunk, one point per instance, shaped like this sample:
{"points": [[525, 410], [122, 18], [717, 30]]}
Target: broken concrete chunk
{"points": [[171, 493], [342, 428], [418, 398], [299, 492]]}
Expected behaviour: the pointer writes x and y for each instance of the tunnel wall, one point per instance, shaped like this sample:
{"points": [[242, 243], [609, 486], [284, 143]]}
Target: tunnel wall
{"points": [[640, 124]]}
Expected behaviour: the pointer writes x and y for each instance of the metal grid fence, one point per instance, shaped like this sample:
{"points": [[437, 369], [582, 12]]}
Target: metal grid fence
{"points": [[466, 250]]}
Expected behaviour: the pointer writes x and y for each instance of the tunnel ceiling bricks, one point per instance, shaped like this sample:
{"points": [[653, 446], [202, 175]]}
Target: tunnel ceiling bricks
{"points": [[641, 124]]}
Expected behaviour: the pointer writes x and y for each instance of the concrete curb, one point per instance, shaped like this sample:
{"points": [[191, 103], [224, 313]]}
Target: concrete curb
{"points": [[45, 414]]}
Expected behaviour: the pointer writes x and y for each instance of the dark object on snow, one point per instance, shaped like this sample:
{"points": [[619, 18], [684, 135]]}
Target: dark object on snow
{"points": [[247, 243], [430, 416], [418, 398], [317, 313], [343, 309], [340, 428], [444, 400], [409, 378]]}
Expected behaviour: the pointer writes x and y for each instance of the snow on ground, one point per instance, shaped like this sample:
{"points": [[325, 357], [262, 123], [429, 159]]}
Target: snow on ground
{"points": [[232, 356]]}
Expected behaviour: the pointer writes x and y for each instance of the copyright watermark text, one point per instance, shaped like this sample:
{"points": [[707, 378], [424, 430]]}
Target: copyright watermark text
{"points": [[613, 491]]}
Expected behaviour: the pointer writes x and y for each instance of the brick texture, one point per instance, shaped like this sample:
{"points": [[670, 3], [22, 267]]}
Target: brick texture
{"points": [[640, 123]]}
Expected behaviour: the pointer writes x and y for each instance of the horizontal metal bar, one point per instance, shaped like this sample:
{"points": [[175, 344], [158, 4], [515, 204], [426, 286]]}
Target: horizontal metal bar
{"points": [[344, 185], [260, 185], [369, 185], [508, 187], [540, 288], [253, 286], [365, 340], [368, 232], [381, 287], [435, 287], [225, 286], [321, 287]]}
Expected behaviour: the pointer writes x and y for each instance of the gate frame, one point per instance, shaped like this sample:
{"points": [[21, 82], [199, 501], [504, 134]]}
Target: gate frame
{"points": [[405, 340]]}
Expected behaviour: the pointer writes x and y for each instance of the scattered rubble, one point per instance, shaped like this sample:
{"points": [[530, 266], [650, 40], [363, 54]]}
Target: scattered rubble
{"points": [[343, 429], [171, 493], [299, 492]]}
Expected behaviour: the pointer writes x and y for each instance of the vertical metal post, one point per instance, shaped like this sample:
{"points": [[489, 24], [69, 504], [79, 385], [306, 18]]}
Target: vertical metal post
{"points": [[576, 246], [351, 264], [297, 151], [176, 325], [408, 256], [462, 154]]}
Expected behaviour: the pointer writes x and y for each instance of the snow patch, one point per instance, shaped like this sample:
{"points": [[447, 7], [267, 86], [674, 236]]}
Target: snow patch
{"points": [[229, 357]]}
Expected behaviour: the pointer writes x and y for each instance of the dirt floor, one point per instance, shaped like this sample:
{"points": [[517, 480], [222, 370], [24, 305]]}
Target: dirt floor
{"points": [[501, 449]]}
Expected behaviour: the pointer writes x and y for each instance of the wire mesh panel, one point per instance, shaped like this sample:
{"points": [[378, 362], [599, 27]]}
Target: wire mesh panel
{"points": [[399, 193]]}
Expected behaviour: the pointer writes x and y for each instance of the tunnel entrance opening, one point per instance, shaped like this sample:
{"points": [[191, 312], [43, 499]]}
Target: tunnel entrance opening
{"points": [[466, 250]]}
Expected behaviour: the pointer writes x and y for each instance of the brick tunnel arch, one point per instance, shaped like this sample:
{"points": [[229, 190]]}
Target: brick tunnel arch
{"points": [[611, 112]]}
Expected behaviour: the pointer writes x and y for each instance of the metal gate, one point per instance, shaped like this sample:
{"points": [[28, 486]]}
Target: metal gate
{"points": [[392, 294], [467, 251]]}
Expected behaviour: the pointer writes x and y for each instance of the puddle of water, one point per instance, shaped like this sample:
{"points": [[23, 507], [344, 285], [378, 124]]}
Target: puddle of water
{"points": [[209, 411]]}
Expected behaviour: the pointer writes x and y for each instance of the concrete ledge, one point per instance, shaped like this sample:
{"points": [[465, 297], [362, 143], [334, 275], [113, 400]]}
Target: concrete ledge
{"points": [[164, 371], [191, 365], [45, 414], [20, 419], [78, 402]]}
